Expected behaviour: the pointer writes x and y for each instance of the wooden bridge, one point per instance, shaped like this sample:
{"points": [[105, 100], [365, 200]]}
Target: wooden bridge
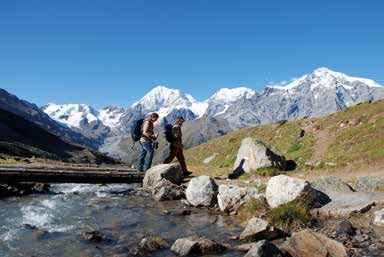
{"points": [[69, 174]]}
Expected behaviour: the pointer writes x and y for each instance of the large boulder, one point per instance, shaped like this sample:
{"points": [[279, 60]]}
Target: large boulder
{"points": [[196, 245], [258, 229], [282, 189], [347, 204], [308, 243], [165, 190], [328, 184], [369, 184], [264, 248], [378, 218], [232, 197], [202, 191], [254, 154], [170, 172]]}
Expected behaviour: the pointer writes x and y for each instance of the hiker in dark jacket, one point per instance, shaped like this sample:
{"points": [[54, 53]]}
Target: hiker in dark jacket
{"points": [[176, 146], [146, 141]]}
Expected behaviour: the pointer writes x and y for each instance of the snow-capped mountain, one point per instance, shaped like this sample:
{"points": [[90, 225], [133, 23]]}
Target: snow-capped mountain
{"points": [[319, 93], [81, 118], [164, 100], [110, 116], [168, 103], [219, 102], [33, 113], [73, 115]]}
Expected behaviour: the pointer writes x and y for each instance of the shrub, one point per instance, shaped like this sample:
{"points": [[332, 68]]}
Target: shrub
{"points": [[291, 216]]}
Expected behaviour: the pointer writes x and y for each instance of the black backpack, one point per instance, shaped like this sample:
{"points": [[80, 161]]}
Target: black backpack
{"points": [[168, 133], [136, 130]]}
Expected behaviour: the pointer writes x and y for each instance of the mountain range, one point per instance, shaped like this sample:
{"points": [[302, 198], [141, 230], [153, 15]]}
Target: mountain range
{"points": [[318, 93]]}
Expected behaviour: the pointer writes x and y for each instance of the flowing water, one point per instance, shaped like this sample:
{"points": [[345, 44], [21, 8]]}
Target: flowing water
{"points": [[56, 222]]}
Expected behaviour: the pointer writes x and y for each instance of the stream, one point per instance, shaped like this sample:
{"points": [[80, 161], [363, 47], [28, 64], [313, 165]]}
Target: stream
{"points": [[52, 224]]}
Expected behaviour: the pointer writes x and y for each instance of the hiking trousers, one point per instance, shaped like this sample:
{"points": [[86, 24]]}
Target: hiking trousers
{"points": [[177, 152], [144, 161]]}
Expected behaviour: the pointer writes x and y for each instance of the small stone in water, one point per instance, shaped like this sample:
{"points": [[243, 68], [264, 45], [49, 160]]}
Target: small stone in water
{"points": [[96, 237]]}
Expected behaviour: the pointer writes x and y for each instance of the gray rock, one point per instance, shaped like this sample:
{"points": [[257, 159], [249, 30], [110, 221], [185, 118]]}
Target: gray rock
{"points": [[196, 245], [232, 197], [245, 247], [378, 218], [264, 248], [369, 184], [210, 158], [346, 204], [165, 190], [308, 243], [170, 172], [96, 237], [282, 189], [254, 154], [202, 191], [329, 184], [153, 244], [345, 227], [258, 229]]}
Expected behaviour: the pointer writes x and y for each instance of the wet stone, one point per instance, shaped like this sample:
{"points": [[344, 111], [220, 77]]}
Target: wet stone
{"points": [[96, 237]]}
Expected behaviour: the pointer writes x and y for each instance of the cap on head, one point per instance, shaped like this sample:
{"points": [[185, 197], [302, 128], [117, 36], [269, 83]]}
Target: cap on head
{"points": [[180, 118]]}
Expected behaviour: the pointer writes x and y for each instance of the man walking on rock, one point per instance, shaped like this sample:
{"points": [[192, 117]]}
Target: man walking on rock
{"points": [[176, 146], [146, 141]]}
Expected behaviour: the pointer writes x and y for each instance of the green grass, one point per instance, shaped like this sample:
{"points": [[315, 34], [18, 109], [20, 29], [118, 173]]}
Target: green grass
{"points": [[360, 140], [263, 172], [251, 209], [293, 215], [290, 216]]}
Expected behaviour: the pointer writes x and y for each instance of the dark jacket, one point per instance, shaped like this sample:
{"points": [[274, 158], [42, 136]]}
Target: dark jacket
{"points": [[178, 136]]}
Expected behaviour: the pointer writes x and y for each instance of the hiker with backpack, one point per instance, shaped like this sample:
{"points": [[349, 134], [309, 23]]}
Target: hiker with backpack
{"points": [[174, 136], [147, 138]]}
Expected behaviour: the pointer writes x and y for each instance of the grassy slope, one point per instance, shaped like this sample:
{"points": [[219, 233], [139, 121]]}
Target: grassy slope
{"points": [[353, 136]]}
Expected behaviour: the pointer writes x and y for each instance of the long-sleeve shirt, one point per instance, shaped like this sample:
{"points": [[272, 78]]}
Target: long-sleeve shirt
{"points": [[178, 136], [147, 132]]}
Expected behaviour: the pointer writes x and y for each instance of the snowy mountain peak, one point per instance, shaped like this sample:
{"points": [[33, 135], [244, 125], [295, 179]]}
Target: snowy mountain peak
{"points": [[71, 114], [163, 100], [323, 77], [110, 115], [232, 94]]}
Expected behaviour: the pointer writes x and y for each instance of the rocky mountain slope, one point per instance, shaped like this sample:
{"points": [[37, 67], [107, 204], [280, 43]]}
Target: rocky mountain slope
{"points": [[33, 113], [21, 137], [83, 119], [320, 93], [122, 147]]}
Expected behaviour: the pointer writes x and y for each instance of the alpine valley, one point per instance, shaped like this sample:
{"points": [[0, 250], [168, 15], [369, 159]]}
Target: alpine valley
{"points": [[108, 130]]}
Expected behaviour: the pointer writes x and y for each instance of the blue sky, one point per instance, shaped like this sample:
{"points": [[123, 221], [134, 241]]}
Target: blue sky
{"points": [[102, 52]]}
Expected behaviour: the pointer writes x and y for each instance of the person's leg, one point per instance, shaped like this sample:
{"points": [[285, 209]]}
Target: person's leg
{"points": [[140, 160], [181, 159], [172, 154], [149, 149]]}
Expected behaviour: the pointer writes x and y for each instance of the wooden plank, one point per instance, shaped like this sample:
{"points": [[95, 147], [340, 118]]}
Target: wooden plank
{"points": [[71, 168], [31, 174]]}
